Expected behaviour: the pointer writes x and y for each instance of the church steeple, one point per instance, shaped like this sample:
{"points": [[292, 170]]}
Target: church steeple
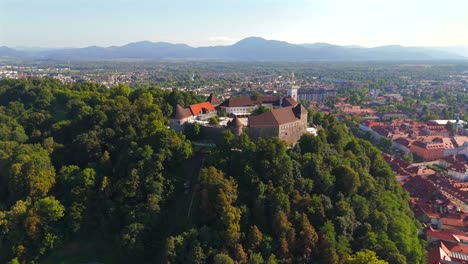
{"points": [[292, 89]]}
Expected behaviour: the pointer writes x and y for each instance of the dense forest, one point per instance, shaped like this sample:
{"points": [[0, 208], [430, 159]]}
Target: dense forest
{"points": [[85, 169]]}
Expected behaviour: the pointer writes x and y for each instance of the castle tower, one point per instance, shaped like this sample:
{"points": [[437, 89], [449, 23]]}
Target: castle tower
{"points": [[236, 126], [301, 113], [292, 89]]}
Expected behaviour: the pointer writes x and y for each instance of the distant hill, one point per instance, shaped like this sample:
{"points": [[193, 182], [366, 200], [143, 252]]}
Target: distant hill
{"points": [[8, 52], [138, 50], [320, 45], [460, 50], [249, 49]]}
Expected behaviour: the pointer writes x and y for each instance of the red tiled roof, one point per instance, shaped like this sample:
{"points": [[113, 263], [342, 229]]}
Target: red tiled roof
{"points": [[460, 184], [403, 141], [456, 247], [454, 222], [460, 141], [371, 123], [428, 145], [448, 253], [434, 255], [198, 108], [277, 117], [446, 236], [413, 170], [420, 187], [213, 99], [381, 130], [446, 185], [181, 113], [288, 101], [459, 167], [274, 117], [456, 158]]}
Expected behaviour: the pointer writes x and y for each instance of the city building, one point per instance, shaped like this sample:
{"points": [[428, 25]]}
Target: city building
{"points": [[429, 140], [428, 150], [444, 252], [315, 94]]}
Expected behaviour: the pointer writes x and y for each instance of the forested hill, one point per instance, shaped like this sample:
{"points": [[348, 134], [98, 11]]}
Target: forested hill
{"points": [[93, 174], [247, 49]]}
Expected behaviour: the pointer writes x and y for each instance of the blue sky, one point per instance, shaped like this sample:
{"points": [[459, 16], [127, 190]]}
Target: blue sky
{"points": [[79, 23]]}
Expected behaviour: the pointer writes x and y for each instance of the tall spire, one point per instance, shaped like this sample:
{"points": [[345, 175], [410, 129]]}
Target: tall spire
{"points": [[292, 88]]}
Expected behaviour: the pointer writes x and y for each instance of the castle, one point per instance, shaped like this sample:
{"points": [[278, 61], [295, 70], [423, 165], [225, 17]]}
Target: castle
{"points": [[287, 120]]}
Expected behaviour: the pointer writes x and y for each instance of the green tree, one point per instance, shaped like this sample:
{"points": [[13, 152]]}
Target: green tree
{"points": [[213, 121], [222, 259], [256, 95], [197, 255], [31, 173], [450, 127], [255, 258], [260, 110], [193, 131], [347, 180]]}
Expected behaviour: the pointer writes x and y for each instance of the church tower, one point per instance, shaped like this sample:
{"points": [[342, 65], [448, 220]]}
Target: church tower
{"points": [[292, 89]]}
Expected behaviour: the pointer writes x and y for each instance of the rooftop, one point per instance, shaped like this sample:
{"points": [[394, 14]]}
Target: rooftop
{"points": [[247, 101], [213, 99], [200, 108], [180, 113], [277, 117]]}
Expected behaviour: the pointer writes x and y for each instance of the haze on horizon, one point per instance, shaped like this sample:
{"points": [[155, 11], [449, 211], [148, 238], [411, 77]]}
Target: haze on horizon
{"points": [[80, 23]]}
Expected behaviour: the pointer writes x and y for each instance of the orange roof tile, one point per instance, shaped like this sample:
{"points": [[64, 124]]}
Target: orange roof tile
{"points": [[198, 108]]}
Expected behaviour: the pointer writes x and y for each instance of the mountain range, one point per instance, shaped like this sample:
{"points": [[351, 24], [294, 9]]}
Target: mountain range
{"points": [[248, 49]]}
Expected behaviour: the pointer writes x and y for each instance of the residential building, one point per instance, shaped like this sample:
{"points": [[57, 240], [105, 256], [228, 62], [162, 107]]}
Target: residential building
{"points": [[458, 171], [428, 150], [448, 253]]}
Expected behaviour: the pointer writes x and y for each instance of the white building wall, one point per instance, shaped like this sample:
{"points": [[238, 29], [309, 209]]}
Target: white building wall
{"points": [[292, 92], [241, 110]]}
